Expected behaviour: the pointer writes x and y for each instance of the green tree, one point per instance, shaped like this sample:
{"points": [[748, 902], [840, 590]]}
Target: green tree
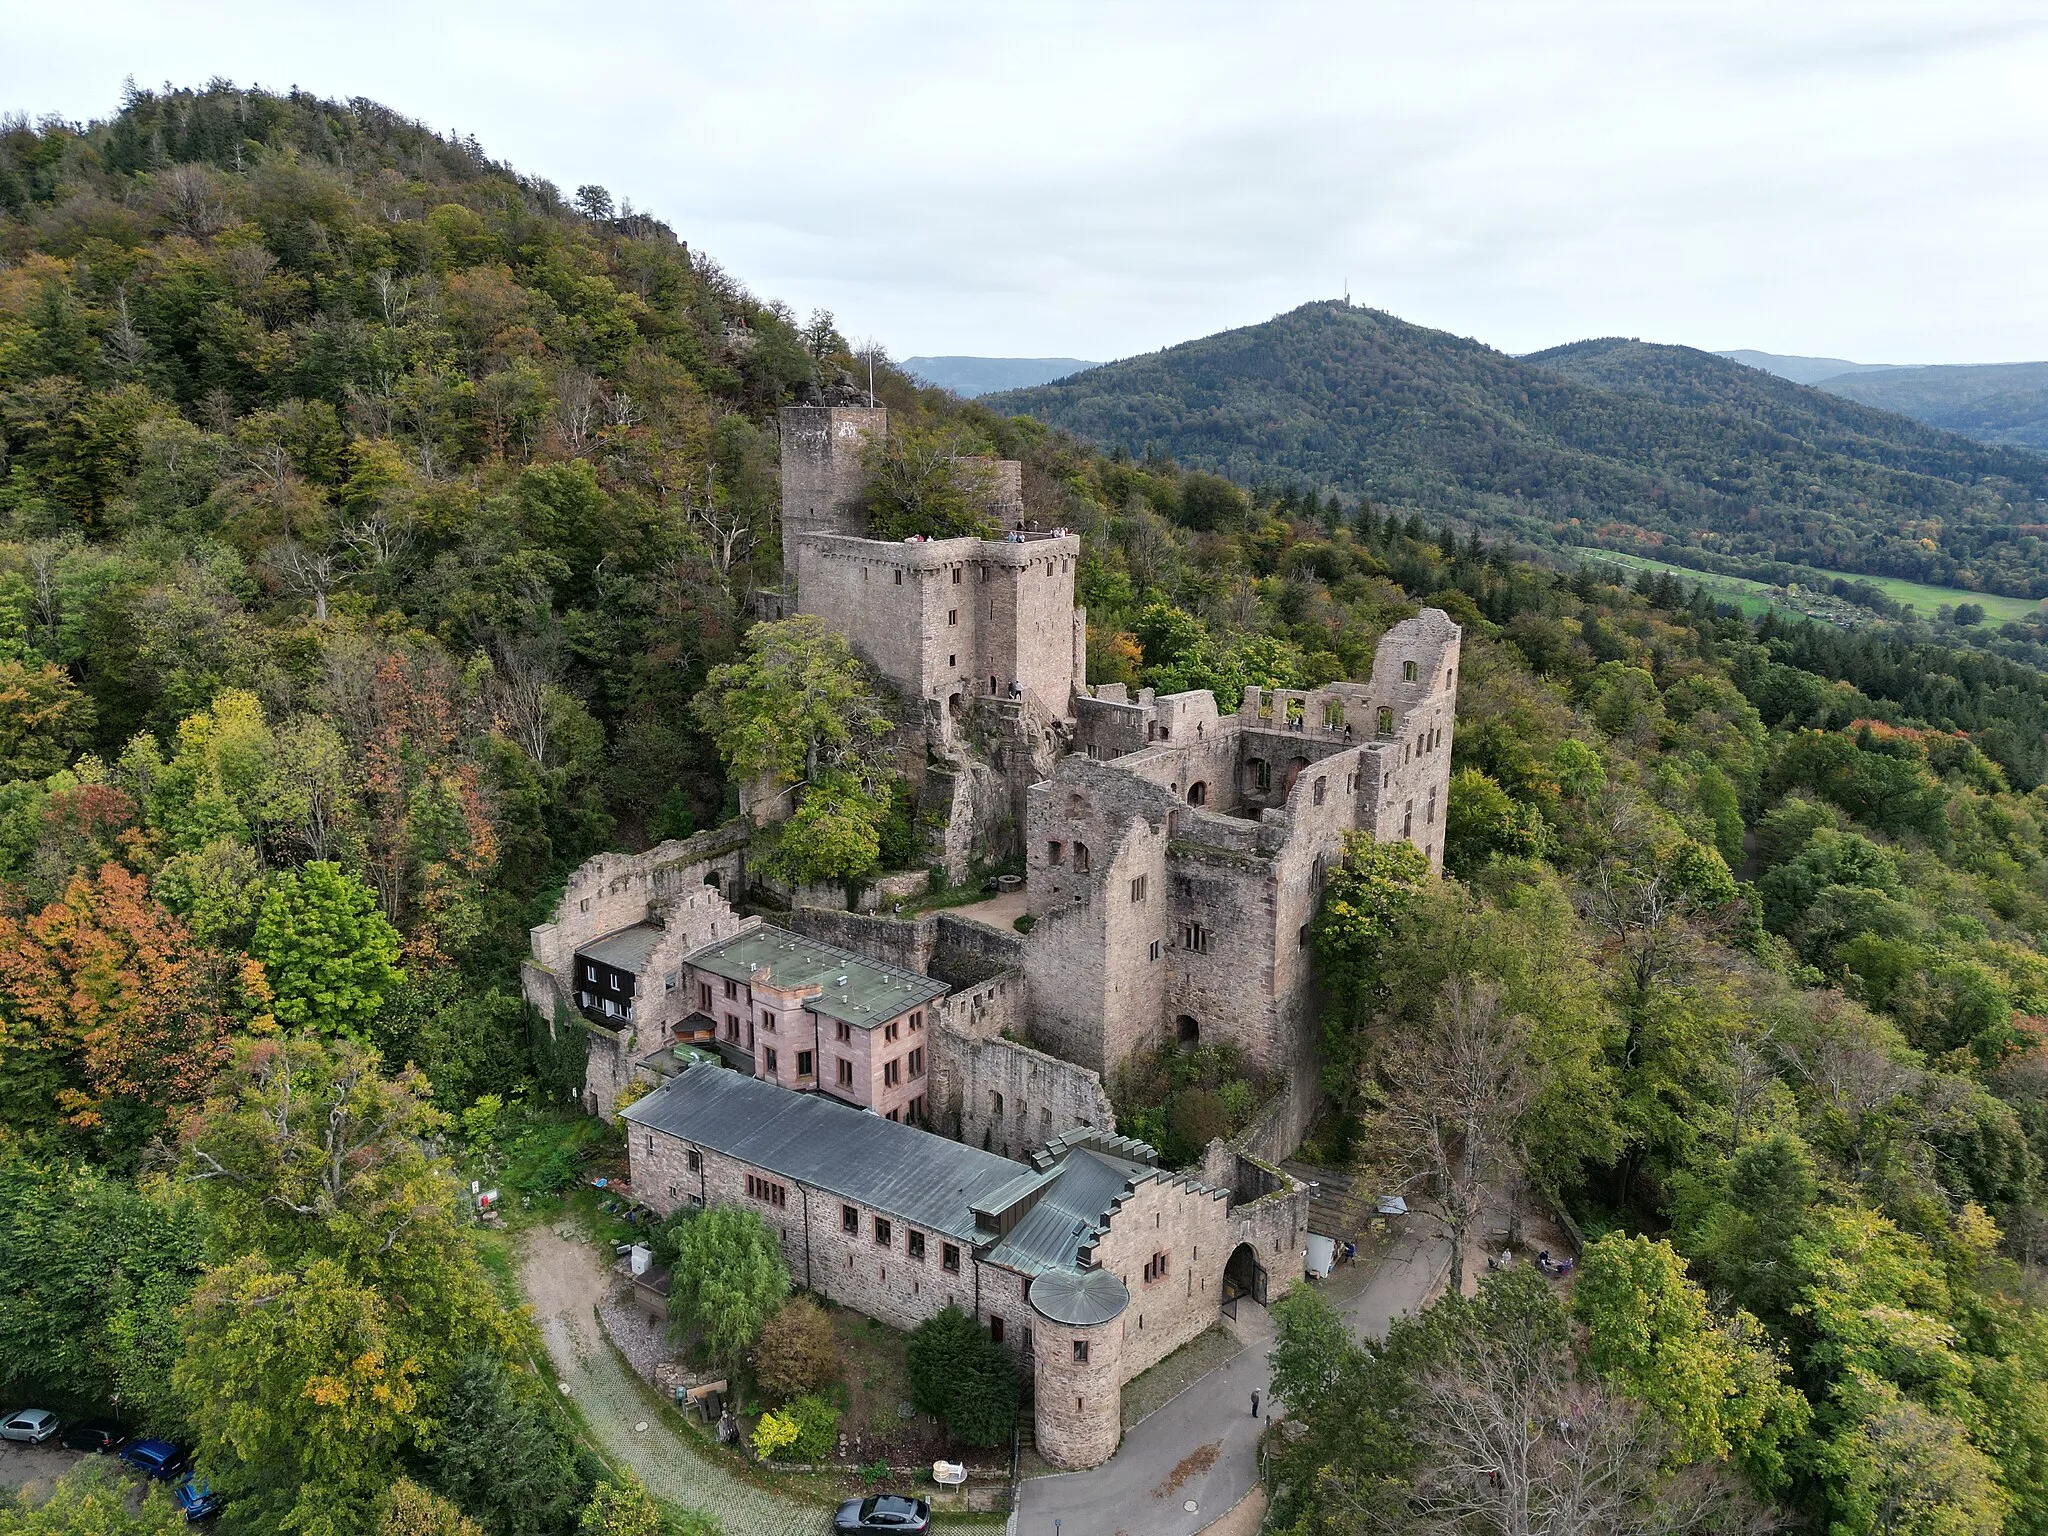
{"points": [[328, 953], [1718, 1388], [90, 1500], [1367, 897], [1481, 824], [410, 1510], [501, 1456], [301, 1392], [920, 483], [729, 1280], [962, 1377], [44, 720], [621, 1508]]}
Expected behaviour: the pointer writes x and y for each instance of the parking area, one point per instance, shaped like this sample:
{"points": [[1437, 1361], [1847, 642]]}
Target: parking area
{"points": [[21, 1465]]}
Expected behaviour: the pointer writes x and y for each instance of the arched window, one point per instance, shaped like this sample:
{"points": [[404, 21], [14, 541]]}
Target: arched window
{"points": [[1198, 793]]}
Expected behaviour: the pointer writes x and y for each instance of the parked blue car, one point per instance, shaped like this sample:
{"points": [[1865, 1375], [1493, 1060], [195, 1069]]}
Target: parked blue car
{"points": [[155, 1458], [195, 1500]]}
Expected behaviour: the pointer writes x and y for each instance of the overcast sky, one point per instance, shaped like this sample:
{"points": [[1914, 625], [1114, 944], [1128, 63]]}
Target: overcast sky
{"points": [[1865, 180]]}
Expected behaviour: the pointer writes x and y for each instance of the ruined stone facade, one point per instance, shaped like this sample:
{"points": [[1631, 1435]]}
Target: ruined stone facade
{"points": [[677, 887], [1176, 858]]}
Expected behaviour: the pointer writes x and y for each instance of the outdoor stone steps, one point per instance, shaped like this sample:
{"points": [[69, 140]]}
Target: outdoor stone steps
{"points": [[1340, 1208]]}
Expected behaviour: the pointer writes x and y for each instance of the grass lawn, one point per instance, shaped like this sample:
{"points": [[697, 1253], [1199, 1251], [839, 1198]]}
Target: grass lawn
{"points": [[1753, 597]]}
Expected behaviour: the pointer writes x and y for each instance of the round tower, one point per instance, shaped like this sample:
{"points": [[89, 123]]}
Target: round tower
{"points": [[1077, 1375]]}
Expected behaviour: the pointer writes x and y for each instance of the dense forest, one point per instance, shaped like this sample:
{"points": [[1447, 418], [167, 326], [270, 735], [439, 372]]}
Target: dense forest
{"points": [[1603, 442], [372, 515], [1992, 402]]}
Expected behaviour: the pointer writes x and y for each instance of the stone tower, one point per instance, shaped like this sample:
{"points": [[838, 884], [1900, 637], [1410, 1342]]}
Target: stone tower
{"points": [[821, 473]]}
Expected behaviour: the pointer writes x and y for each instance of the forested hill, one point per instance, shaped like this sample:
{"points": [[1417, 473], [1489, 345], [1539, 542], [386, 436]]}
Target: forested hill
{"points": [[1600, 442]]}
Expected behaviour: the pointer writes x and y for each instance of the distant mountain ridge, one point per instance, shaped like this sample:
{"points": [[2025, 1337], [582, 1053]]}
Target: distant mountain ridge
{"points": [[1801, 370], [972, 376], [1602, 441], [2004, 403]]}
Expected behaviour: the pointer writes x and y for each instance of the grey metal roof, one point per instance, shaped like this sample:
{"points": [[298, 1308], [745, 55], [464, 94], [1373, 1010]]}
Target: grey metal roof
{"points": [[1080, 1298], [627, 950], [1065, 1219], [852, 988], [919, 1178]]}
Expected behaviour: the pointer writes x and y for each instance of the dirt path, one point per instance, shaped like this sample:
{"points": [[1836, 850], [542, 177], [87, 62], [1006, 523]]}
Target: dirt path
{"points": [[564, 1281]]}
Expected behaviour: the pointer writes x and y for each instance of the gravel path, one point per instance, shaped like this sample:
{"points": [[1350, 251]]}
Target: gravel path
{"points": [[564, 1281]]}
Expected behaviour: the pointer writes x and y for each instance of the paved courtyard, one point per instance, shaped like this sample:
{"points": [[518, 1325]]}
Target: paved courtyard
{"points": [[1202, 1447]]}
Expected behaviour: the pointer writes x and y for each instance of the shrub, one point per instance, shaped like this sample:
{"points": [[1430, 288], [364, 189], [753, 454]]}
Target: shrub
{"points": [[963, 1378], [817, 1426], [796, 1353], [775, 1433]]}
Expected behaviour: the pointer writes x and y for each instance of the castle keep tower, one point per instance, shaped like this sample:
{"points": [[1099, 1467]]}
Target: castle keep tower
{"points": [[821, 473]]}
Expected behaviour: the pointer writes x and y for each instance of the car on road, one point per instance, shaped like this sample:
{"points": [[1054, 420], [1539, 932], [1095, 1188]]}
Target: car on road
{"points": [[893, 1512], [28, 1426], [155, 1458], [95, 1435], [195, 1500]]}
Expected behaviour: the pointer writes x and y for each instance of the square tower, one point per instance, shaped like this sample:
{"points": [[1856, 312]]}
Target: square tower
{"points": [[821, 473]]}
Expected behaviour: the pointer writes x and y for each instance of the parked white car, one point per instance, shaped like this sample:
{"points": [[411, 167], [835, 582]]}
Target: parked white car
{"points": [[29, 1426]]}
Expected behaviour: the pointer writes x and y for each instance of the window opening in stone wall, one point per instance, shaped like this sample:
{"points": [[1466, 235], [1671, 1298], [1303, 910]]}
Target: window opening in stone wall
{"points": [[845, 1073], [1322, 788], [1408, 818], [767, 1193], [949, 1258], [803, 1063], [844, 1032], [899, 578], [1386, 722], [1081, 858], [1407, 671], [884, 1233], [1155, 950], [695, 1160], [1187, 1031], [1080, 1358], [915, 1061], [732, 988], [995, 1329], [1198, 793], [1053, 853], [1195, 937], [1333, 716], [1294, 768], [956, 575], [849, 1220], [995, 1102], [892, 1073], [769, 1060], [953, 706], [768, 1023], [704, 996], [915, 1239], [889, 1031], [952, 615], [1138, 889], [1429, 817]]}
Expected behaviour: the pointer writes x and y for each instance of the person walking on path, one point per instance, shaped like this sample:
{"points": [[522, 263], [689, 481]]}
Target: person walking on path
{"points": [[1255, 1405]]}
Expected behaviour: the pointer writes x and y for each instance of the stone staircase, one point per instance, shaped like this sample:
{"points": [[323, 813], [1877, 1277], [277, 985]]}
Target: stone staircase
{"points": [[1340, 1207]]}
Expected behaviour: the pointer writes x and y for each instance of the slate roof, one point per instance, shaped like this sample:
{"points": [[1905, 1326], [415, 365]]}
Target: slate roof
{"points": [[925, 1180], [1079, 1297], [627, 950], [852, 988], [1067, 1215]]}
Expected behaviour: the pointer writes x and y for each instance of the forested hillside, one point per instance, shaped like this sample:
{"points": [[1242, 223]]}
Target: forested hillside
{"points": [[1601, 442], [1992, 402], [372, 515]]}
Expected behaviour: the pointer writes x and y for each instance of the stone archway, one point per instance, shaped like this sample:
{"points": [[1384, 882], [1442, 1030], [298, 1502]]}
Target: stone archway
{"points": [[1187, 1033], [1294, 768], [1244, 1275], [1198, 793]]}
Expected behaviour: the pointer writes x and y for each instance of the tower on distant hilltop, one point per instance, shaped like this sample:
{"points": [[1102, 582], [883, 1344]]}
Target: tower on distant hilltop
{"points": [[821, 473]]}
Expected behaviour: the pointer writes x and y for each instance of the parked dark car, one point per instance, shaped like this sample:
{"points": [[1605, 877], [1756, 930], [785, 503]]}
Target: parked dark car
{"points": [[195, 1500], [884, 1512], [28, 1426], [96, 1435], [155, 1458]]}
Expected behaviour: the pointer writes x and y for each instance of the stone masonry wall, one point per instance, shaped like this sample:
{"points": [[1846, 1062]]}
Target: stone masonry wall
{"points": [[1187, 1221], [1012, 1099], [821, 473], [1076, 1406]]}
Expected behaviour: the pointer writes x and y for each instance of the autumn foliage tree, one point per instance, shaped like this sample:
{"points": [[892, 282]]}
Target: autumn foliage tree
{"points": [[113, 1021]]}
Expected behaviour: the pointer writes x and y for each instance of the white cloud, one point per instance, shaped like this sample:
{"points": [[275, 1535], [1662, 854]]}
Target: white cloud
{"points": [[1855, 179]]}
